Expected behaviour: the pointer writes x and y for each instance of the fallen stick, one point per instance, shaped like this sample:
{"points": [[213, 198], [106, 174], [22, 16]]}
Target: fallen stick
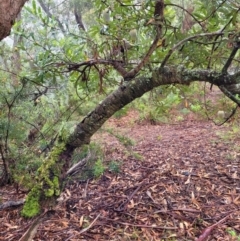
{"points": [[32, 230], [142, 225], [206, 232], [11, 204], [91, 224]]}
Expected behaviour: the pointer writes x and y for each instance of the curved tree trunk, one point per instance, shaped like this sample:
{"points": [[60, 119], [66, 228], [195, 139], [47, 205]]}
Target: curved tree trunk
{"points": [[8, 13], [55, 167]]}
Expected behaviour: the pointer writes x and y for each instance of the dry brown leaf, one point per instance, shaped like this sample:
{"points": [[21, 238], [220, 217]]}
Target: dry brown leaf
{"points": [[10, 226], [236, 200], [131, 204], [234, 175], [188, 180], [68, 192], [65, 223], [81, 221], [181, 225]]}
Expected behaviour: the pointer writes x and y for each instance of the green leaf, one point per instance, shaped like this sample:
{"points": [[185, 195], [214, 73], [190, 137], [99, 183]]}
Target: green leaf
{"points": [[34, 6]]}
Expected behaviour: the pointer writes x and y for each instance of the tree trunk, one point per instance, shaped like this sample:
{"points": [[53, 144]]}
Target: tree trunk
{"points": [[53, 170], [9, 10]]}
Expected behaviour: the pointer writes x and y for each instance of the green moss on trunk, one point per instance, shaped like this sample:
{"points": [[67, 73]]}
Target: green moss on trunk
{"points": [[48, 183]]}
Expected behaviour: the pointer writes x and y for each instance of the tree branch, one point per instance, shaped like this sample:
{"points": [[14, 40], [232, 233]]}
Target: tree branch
{"points": [[78, 18], [176, 46], [158, 22], [230, 59], [50, 15]]}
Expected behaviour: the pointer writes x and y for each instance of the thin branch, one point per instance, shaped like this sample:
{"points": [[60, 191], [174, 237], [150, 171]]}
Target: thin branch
{"points": [[158, 22], [78, 18], [178, 6], [229, 94], [42, 4], [230, 59], [214, 47], [176, 46], [229, 117], [32, 230], [91, 224]]}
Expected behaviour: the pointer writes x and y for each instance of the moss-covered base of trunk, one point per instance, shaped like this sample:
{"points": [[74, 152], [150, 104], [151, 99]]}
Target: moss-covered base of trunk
{"points": [[47, 183]]}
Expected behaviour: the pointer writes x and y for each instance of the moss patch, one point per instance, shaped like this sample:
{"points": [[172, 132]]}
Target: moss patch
{"points": [[47, 180], [32, 207]]}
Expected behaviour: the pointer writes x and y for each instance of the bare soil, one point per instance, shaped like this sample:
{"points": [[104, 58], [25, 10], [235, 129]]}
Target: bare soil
{"points": [[176, 181]]}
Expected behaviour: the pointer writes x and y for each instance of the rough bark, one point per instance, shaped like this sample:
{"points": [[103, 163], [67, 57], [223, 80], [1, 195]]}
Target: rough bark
{"points": [[125, 94], [9, 10]]}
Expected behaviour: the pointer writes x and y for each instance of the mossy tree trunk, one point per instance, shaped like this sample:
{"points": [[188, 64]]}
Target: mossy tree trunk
{"points": [[53, 170]]}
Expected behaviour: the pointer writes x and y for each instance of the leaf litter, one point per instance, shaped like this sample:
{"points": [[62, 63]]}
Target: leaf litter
{"points": [[182, 186]]}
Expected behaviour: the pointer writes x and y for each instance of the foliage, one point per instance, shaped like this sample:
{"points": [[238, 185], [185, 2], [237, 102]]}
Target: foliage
{"points": [[114, 167], [233, 234], [98, 168], [123, 139]]}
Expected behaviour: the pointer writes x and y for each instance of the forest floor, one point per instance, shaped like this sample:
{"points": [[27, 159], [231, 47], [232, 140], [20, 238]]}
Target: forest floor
{"points": [[177, 181]]}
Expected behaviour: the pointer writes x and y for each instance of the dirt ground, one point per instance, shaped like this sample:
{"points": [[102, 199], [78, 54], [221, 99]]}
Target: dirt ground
{"points": [[177, 181]]}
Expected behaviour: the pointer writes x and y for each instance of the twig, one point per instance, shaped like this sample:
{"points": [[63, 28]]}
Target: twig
{"points": [[176, 46], [32, 230], [86, 229], [84, 195], [179, 209], [79, 165], [123, 205], [143, 225], [206, 232]]}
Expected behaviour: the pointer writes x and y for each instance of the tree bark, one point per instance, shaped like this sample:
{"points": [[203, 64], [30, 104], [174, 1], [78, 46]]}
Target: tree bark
{"points": [[125, 94], [9, 10]]}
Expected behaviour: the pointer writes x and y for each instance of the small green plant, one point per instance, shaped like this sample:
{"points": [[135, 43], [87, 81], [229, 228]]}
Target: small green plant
{"points": [[91, 157], [196, 107], [122, 112], [233, 234], [230, 134], [126, 141], [114, 167], [137, 156], [98, 168], [179, 118]]}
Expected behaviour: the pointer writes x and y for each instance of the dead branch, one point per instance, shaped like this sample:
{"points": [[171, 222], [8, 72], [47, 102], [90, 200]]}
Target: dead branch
{"points": [[78, 165], [32, 230], [142, 225], [92, 223], [11, 204], [207, 231]]}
